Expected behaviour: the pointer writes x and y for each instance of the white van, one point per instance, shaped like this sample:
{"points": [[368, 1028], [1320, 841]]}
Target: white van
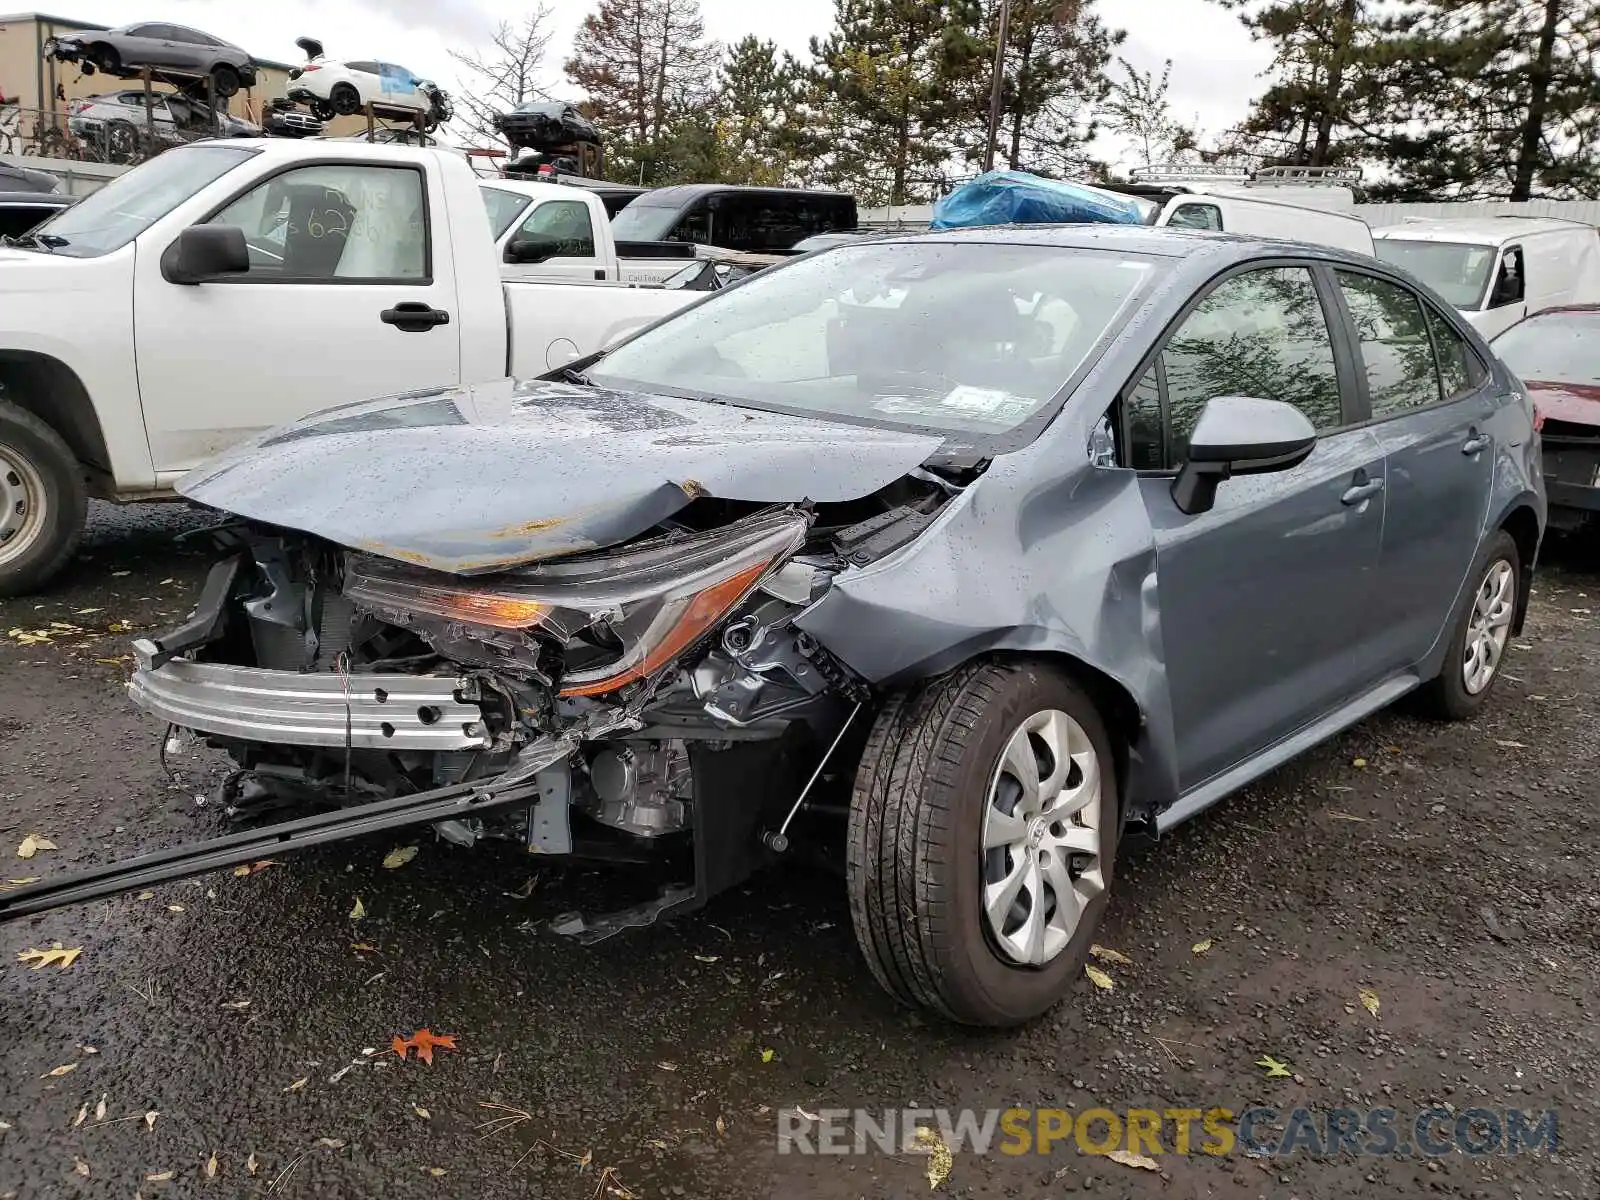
{"points": [[1302, 204], [1497, 270]]}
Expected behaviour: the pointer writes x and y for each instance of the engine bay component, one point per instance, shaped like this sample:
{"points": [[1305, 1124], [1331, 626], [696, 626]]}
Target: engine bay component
{"points": [[642, 788]]}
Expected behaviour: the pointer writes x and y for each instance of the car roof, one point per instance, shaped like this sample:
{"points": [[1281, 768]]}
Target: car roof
{"points": [[682, 193], [42, 199], [1476, 231], [1161, 241]]}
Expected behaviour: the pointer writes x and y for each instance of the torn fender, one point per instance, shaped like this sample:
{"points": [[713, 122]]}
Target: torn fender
{"points": [[478, 479]]}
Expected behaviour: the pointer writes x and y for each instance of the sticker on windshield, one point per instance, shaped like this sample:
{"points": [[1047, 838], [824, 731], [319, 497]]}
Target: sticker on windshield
{"points": [[988, 404]]}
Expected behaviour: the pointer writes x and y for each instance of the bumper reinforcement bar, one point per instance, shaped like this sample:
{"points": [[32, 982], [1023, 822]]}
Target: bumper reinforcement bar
{"points": [[248, 846]]}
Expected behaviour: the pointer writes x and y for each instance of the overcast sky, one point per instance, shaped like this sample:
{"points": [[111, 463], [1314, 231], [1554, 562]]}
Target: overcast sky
{"points": [[1214, 71]]}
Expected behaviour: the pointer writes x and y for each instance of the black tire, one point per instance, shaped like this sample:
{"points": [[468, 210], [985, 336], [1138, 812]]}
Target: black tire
{"points": [[28, 441], [107, 59], [914, 860], [344, 98], [1445, 697], [121, 142], [225, 81]]}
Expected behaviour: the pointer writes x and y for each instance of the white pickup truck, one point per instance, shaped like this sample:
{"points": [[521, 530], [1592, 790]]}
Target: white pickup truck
{"points": [[226, 287], [551, 231]]}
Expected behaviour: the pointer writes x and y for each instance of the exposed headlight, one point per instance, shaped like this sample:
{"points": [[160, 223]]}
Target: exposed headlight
{"points": [[623, 614]]}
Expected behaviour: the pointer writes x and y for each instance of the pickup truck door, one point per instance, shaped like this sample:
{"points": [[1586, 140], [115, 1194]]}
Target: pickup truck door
{"points": [[565, 227], [351, 294]]}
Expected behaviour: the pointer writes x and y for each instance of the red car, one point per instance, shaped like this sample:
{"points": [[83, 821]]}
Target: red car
{"points": [[1556, 353]]}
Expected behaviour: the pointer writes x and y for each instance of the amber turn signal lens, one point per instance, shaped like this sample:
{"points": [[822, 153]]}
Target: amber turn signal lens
{"points": [[498, 612]]}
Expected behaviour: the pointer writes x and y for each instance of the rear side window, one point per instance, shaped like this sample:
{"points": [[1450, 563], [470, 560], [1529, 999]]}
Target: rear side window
{"points": [[1262, 333], [1459, 369], [1396, 350]]}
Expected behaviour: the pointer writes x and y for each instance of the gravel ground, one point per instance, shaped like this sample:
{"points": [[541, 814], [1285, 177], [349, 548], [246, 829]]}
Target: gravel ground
{"points": [[1450, 870]]}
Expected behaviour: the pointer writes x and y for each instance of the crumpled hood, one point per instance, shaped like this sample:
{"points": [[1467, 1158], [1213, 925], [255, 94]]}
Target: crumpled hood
{"points": [[1576, 403], [479, 479]]}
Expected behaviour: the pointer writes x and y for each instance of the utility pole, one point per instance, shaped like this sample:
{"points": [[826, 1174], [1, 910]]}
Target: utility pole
{"points": [[997, 85]]}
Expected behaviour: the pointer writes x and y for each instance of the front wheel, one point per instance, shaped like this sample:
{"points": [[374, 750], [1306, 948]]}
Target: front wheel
{"points": [[225, 82], [42, 501], [983, 830]]}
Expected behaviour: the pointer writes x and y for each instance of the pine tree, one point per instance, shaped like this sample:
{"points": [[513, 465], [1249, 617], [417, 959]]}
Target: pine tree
{"points": [[893, 84], [1055, 79], [760, 135], [645, 66]]}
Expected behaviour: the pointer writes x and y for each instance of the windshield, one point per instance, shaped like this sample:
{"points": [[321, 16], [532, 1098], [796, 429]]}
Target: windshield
{"points": [[641, 222], [956, 338], [1553, 348], [504, 208], [1457, 272], [112, 217]]}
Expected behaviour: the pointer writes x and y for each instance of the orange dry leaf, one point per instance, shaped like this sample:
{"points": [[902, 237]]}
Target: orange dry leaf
{"points": [[423, 1042]]}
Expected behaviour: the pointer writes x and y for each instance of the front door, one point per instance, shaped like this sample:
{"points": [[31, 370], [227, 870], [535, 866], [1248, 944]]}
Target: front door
{"points": [[1433, 409], [563, 226], [347, 298], [1260, 601]]}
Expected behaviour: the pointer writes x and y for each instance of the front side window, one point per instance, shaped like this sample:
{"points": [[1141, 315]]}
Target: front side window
{"points": [[1196, 216], [1396, 350], [504, 208], [1263, 334], [1509, 285], [334, 223], [110, 218], [566, 222], [968, 340]]}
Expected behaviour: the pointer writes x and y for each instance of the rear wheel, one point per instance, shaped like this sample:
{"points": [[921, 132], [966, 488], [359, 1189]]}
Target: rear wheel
{"points": [[225, 81], [345, 99], [1481, 635], [983, 830], [42, 501]]}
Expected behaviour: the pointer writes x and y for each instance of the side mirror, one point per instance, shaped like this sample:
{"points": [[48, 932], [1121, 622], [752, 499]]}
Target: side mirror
{"points": [[1240, 435], [205, 252], [532, 248]]}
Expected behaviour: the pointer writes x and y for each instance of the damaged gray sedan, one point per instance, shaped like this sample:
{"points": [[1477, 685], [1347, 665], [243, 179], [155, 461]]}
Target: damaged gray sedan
{"points": [[1018, 539]]}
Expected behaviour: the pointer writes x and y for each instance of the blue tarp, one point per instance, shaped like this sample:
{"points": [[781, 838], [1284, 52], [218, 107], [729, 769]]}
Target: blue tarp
{"points": [[1017, 198]]}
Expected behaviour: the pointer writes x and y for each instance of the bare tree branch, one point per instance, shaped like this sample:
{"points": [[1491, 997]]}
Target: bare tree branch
{"points": [[504, 76]]}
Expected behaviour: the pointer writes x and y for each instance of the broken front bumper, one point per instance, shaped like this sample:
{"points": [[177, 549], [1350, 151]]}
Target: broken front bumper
{"points": [[365, 712]]}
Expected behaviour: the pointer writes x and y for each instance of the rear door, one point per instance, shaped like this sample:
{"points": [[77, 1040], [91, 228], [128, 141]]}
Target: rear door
{"points": [[348, 297], [1261, 604], [1433, 408]]}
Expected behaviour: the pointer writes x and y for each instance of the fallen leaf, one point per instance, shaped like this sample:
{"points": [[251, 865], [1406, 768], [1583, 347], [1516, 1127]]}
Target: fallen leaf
{"points": [[175, 908], [436, 1171], [722, 1127], [145, 896], [359, 911], [399, 857], [211, 1166], [940, 1160], [150, 1120], [363, 948], [59, 1071], [812, 1117], [424, 1042], [1509, 745], [80, 1167], [422, 1112], [708, 958], [236, 1005], [160, 1177], [331, 1143], [251, 1166], [525, 891], [667, 1066], [255, 868], [1134, 1160], [23, 882], [1273, 1068], [1099, 978], [1360, 762], [100, 1109], [1201, 947], [84, 612], [53, 957], [1105, 954], [83, 1115], [1369, 1000], [32, 844], [1344, 816], [89, 1049], [766, 1056], [298, 1084], [4, 1126]]}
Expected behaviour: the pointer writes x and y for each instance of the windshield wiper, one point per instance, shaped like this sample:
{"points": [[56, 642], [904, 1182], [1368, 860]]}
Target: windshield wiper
{"points": [[577, 377], [40, 241]]}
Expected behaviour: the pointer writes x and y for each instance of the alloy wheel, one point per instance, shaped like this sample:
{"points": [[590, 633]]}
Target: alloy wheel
{"points": [[24, 504], [1042, 825], [1489, 626]]}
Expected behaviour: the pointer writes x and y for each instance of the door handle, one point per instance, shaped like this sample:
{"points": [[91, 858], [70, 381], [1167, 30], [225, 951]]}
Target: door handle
{"points": [[1476, 444], [1358, 492], [413, 316]]}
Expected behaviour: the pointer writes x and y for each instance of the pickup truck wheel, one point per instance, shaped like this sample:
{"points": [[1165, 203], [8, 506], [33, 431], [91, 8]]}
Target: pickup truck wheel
{"points": [[345, 99], [983, 829], [42, 501]]}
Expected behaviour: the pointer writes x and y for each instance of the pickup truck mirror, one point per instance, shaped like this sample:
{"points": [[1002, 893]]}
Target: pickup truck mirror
{"points": [[532, 248], [205, 252]]}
